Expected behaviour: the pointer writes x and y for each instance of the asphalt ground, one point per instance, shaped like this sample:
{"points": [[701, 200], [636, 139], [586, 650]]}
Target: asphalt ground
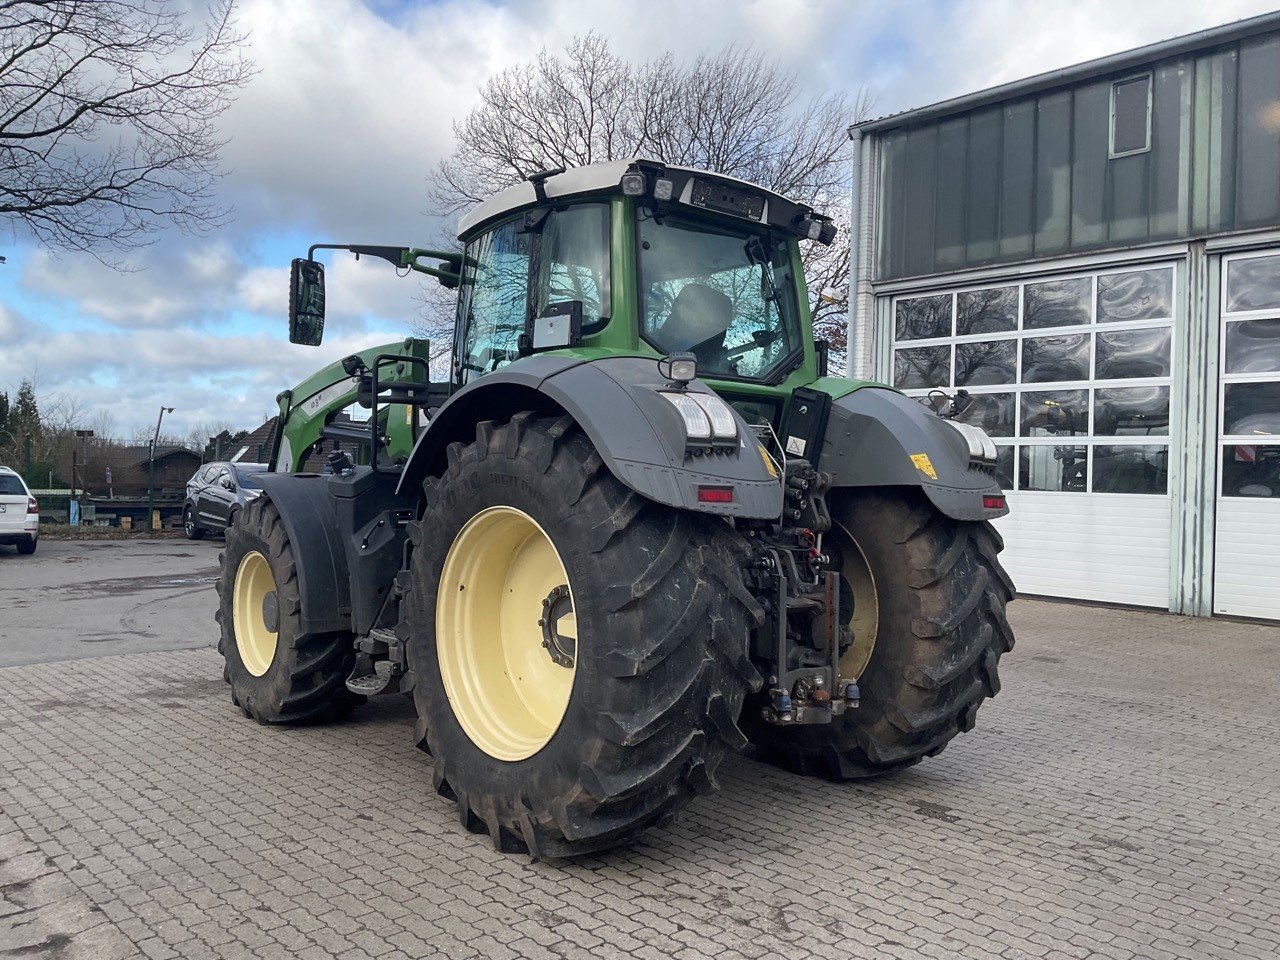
{"points": [[93, 598], [1119, 799]]}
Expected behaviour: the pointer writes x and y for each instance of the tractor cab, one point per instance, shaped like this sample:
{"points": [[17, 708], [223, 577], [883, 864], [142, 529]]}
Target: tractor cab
{"points": [[632, 258]]}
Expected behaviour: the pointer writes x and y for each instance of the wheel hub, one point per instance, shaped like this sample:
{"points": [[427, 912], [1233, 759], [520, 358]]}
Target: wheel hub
{"points": [[271, 612], [562, 650]]}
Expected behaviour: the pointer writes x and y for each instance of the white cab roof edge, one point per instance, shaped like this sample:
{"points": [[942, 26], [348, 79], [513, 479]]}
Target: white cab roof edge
{"points": [[591, 178]]}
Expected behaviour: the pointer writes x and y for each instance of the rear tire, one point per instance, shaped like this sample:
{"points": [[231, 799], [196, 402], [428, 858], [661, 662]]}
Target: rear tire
{"points": [[190, 529], [291, 677], [660, 665], [27, 547], [940, 630]]}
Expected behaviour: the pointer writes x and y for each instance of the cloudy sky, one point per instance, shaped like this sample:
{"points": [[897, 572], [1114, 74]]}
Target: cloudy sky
{"points": [[353, 104]]}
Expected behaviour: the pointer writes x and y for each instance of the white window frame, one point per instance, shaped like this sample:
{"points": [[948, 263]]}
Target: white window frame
{"points": [[1226, 379], [1091, 329]]}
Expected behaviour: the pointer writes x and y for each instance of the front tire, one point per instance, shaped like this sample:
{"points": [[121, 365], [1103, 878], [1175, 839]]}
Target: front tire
{"points": [[190, 529], [658, 659], [929, 629], [277, 672]]}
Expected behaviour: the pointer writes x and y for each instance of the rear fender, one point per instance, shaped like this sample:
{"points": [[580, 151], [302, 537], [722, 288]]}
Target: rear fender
{"points": [[639, 435], [877, 437]]}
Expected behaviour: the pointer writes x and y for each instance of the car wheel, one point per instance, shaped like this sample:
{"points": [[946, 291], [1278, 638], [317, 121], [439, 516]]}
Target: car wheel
{"points": [[192, 529]]}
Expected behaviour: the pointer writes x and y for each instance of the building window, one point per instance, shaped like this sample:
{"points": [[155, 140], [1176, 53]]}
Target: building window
{"points": [[1249, 404], [1070, 375], [1131, 116]]}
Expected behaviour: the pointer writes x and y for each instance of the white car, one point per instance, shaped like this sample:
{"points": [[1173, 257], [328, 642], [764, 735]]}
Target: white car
{"points": [[19, 513]]}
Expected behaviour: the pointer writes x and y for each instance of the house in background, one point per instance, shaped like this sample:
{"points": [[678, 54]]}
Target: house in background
{"points": [[1094, 254]]}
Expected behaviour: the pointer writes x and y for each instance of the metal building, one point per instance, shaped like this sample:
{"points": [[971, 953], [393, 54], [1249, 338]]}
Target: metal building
{"points": [[1094, 254]]}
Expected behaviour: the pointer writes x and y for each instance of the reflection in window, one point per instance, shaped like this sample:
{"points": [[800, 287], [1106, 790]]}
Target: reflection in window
{"points": [[1057, 303], [921, 367], [493, 300], [1130, 468], [1135, 295], [1251, 409], [993, 412], [575, 261], [989, 362], [987, 311], [1055, 359], [1253, 284], [1253, 346], [1055, 467], [1249, 470], [1131, 411], [1055, 413], [919, 318], [1004, 467], [1134, 353]]}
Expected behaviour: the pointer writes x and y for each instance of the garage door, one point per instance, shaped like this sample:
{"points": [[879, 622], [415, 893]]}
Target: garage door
{"points": [[1070, 374], [1247, 556]]}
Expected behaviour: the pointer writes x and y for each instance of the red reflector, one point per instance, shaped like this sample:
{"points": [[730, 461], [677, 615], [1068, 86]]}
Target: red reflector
{"points": [[993, 502], [715, 494]]}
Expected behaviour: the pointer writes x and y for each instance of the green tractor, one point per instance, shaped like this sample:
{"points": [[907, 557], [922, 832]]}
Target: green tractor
{"points": [[638, 527]]}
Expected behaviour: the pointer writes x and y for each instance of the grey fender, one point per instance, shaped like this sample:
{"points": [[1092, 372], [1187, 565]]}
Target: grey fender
{"points": [[877, 437], [311, 522], [639, 435]]}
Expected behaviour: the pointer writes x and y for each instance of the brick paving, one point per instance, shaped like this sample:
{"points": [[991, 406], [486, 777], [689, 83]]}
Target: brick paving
{"points": [[1120, 798]]}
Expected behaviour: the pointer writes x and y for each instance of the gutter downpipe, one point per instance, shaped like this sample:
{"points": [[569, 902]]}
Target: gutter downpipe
{"points": [[856, 334]]}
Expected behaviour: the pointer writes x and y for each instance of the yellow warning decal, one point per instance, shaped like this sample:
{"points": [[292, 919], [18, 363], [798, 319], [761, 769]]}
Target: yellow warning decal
{"points": [[924, 465], [768, 461]]}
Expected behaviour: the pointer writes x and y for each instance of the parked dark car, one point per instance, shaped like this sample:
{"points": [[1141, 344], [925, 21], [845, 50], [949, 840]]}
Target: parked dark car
{"points": [[215, 493]]}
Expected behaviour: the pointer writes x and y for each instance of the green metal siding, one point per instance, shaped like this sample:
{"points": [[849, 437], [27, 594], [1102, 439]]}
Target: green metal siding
{"points": [[1033, 177]]}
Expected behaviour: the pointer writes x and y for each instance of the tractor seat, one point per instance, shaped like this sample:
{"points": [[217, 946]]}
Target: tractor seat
{"points": [[699, 319]]}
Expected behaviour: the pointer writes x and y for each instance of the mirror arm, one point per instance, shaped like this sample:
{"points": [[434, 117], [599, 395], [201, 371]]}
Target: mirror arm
{"points": [[449, 273]]}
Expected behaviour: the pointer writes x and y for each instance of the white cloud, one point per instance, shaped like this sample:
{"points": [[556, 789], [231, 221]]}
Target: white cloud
{"points": [[354, 104]]}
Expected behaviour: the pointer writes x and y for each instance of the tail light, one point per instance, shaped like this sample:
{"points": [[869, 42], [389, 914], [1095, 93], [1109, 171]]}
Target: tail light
{"points": [[993, 502], [32, 505]]}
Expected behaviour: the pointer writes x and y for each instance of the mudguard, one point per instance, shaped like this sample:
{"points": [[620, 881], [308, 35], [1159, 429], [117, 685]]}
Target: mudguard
{"points": [[311, 521], [637, 433], [877, 437]]}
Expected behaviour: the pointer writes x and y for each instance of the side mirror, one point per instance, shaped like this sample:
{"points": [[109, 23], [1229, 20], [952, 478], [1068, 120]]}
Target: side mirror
{"points": [[227, 484], [306, 302]]}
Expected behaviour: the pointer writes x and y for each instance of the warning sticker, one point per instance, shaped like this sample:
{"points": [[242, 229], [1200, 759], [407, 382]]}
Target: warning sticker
{"points": [[768, 462], [924, 465]]}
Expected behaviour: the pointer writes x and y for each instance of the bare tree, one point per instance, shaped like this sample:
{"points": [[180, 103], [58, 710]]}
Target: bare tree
{"points": [[735, 113], [107, 111]]}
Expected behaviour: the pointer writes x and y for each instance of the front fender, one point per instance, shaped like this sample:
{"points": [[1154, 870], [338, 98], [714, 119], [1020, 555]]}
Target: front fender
{"points": [[877, 437], [637, 433], [319, 555]]}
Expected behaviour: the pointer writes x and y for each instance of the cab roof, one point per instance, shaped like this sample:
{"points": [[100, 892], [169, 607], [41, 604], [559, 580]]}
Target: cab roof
{"points": [[598, 178]]}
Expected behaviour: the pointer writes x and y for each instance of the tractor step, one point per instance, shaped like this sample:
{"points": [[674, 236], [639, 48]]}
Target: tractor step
{"points": [[370, 678]]}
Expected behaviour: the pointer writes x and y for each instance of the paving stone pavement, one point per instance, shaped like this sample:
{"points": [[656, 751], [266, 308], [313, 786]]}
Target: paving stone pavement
{"points": [[1120, 798]]}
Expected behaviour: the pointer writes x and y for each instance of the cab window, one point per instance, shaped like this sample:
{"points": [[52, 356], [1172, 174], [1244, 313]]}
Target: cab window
{"points": [[492, 304], [573, 262], [725, 295]]}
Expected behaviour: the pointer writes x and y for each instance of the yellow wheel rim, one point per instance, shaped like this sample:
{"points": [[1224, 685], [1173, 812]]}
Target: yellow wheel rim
{"points": [[506, 634], [255, 613], [864, 620]]}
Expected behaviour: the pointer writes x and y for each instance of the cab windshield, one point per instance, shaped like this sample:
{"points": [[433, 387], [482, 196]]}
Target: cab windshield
{"points": [[726, 296]]}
